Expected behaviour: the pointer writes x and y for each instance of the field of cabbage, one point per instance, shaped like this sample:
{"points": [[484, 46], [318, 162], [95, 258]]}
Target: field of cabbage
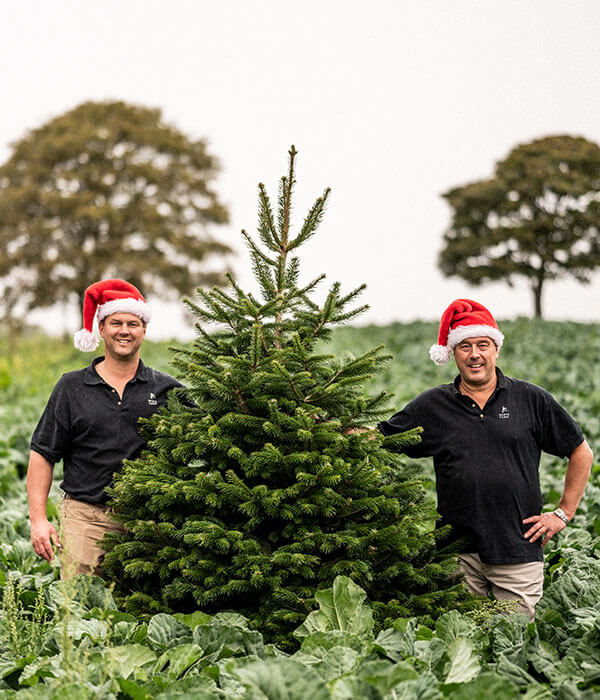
{"points": [[73, 642]]}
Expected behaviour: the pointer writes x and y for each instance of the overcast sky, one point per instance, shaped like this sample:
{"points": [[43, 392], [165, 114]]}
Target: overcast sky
{"points": [[389, 103]]}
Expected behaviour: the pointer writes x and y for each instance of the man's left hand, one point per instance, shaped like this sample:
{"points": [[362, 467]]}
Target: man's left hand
{"points": [[545, 525]]}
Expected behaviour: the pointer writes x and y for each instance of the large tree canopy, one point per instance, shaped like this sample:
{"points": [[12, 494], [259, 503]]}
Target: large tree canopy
{"points": [[538, 217], [106, 190]]}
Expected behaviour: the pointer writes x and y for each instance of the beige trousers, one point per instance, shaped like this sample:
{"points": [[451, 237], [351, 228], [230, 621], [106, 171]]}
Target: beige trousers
{"points": [[523, 583], [83, 525]]}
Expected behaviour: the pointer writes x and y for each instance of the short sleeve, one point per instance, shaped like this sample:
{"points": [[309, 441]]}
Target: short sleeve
{"points": [[560, 433], [403, 420], [51, 437]]}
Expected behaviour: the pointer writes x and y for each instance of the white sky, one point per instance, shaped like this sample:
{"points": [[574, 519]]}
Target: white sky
{"points": [[390, 103]]}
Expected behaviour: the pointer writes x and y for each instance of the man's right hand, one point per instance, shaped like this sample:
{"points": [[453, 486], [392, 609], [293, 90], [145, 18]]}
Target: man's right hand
{"points": [[43, 536], [39, 480], [353, 431]]}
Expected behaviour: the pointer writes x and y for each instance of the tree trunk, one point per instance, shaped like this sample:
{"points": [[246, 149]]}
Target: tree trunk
{"points": [[537, 285]]}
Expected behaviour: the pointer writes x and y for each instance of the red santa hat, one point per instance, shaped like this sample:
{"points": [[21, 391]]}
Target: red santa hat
{"points": [[463, 319], [108, 297]]}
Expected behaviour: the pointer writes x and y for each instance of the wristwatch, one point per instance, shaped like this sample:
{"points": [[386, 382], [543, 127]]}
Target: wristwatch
{"points": [[560, 513]]}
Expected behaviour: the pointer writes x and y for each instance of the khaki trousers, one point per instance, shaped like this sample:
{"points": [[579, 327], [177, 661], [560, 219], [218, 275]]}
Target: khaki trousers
{"points": [[83, 525], [523, 583]]}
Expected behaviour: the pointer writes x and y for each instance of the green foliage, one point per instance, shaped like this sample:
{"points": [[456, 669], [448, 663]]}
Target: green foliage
{"points": [[340, 608], [105, 190], [21, 631], [263, 492], [88, 649], [537, 218]]}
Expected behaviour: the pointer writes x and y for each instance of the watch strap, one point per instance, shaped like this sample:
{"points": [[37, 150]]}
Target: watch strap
{"points": [[560, 513]]}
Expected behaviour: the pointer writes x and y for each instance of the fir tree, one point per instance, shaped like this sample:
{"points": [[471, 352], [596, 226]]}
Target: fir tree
{"points": [[260, 493]]}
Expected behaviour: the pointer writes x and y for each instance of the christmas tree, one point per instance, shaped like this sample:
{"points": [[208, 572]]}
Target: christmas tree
{"points": [[265, 486]]}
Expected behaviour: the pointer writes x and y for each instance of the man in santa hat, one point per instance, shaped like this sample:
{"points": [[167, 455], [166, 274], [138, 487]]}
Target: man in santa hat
{"points": [[91, 424], [485, 433]]}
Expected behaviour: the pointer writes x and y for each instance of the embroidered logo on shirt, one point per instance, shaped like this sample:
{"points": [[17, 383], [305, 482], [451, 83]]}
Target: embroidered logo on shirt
{"points": [[152, 400], [504, 413]]}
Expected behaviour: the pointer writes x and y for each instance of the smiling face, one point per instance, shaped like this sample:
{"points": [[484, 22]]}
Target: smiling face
{"points": [[476, 360], [123, 335]]}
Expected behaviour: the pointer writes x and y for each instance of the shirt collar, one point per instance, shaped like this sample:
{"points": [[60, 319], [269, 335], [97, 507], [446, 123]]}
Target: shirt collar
{"points": [[500, 381], [91, 376]]}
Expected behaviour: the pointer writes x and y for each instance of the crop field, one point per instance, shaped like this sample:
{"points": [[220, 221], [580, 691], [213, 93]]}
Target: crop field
{"points": [[72, 642]]}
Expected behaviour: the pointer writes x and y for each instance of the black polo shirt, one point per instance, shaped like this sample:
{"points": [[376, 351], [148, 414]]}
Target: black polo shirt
{"points": [[88, 426], [487, 460]]}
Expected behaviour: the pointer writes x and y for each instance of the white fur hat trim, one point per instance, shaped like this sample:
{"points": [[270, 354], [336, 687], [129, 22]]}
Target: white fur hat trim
{"points": [[138, 307], [440, 354], [460, 333]]}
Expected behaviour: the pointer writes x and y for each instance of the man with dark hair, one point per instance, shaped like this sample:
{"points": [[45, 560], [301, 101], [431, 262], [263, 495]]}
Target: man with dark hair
{"points": [[485, 433], [91, 423]]}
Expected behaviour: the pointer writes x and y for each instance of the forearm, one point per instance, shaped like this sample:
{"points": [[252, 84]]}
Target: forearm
{"points": [[577, 476], [39, 480]]}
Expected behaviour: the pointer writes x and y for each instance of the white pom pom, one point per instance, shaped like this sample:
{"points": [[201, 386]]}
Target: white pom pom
{"points": [[85, 341], [440, 354]]}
